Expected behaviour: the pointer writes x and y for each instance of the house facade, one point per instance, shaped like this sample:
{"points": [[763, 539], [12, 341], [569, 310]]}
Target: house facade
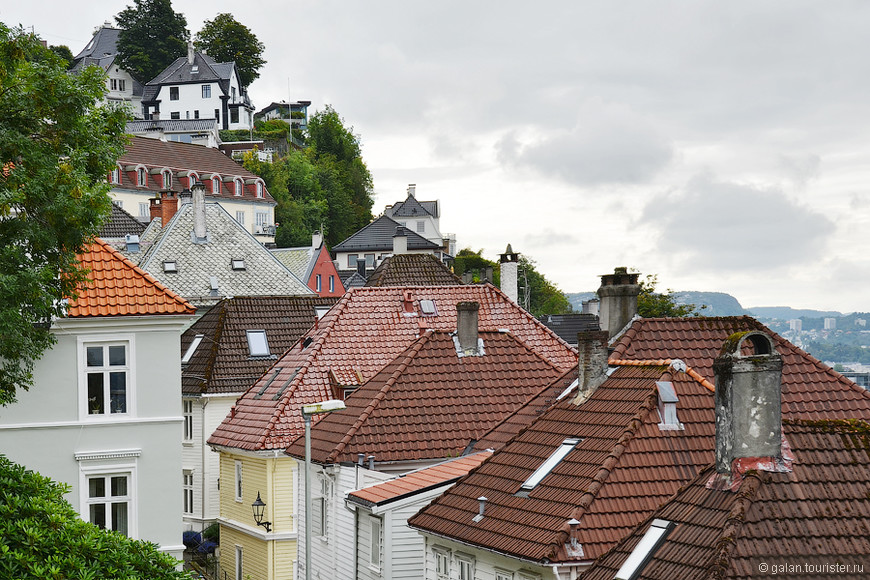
{"points": [[104, 413], [151, 166], [422, 217], [381, 238], [198, 87], [313, 265]]}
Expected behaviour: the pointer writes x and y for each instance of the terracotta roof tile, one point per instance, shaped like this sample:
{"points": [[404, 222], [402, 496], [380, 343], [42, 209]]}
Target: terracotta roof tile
{"points": [[365, 331], [118, 287], [429, 403]]}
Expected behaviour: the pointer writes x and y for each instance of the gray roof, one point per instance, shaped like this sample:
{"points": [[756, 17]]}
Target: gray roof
{"points": [[297, 260], [411, 207], [181, 72], [120, 223], [171, 125], [378, 236], [263, 275], [101, 51], [568, 325]]}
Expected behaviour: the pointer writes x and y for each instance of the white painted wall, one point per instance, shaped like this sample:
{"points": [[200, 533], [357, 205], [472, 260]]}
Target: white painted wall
{"points": [[190, 100], [486, 564]]}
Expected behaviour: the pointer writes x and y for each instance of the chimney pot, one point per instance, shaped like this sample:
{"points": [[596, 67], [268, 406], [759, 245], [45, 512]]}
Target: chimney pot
{"points": [[466, 327], [509, 271], [400, 241], [371, 459], [748, 399]]}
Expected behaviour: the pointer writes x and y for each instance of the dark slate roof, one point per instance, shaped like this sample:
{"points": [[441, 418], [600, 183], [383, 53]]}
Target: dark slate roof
{"points": [[221, 363], [819, 514], [180, 72], [414, 270], [568, 325], [351, 279], [171, 125], [378, 236], [429, 402], [104, 43], [120, 223], [411, 208]]}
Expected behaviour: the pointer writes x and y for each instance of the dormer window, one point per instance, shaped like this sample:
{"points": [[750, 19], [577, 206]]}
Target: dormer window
{"points": [[552, 461], [141, 177], [170, 266], [216, 185], [194, 69], [167, 179], [238, 265], [116, 175], [667, 399], [258, 345], [259, 189], [238, 186]]}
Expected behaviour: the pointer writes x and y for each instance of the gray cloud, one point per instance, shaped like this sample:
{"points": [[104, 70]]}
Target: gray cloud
{"points": [[712, 225]]}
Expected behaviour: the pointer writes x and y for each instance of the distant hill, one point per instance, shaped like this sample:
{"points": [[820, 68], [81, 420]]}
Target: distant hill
{"points": [[576, 299], [788, 313], [717, 303]]}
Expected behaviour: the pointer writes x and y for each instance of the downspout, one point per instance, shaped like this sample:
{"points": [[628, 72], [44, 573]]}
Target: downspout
{"points": [[203, 446], [273, 543]]}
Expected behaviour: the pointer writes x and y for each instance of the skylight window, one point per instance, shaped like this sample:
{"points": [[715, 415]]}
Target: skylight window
{"points": [[427, 307], [192, 348], [238, 265], [170, 266], [257, 343], [548, 465], [645, 549]]}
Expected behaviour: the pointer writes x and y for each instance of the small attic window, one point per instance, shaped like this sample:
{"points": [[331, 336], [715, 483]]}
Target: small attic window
{"points": [[427, 308], [643, 552], [319, 311], [191, 349], [238, 265], [170, 266], [258, 345], [548, 465], [194, 69]]}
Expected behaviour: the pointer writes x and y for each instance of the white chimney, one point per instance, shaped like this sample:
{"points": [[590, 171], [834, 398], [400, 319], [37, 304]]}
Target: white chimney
{"points": [[199, 232], [412, 190], [316, 240], [400, 241], [509, 266], [189, 52]]}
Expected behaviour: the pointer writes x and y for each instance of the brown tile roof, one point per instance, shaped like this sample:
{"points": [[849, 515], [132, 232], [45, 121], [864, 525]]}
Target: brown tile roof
{"points": [[221, 363], [183, 157], [418, 481], [818, 514], [429, 403], [625, 466], [366, 330], [412, 270], [117, 287]]}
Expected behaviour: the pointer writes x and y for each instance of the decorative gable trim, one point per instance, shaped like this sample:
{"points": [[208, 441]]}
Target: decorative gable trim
{"points": [[102, 455]]}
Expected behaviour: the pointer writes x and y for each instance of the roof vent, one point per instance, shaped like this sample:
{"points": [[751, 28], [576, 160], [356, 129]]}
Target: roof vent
{"points": [[213, 283], [668, 406], [170, 266], [481, 509], [132, 242], [573, 547]]}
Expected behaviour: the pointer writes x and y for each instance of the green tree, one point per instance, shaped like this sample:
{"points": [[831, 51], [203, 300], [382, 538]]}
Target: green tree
{"points": [[152, 36], [63, 52], [43, 537], [227, 40], [467, 260], [56, 148], [539, 294], [345, 178], [652, 304]]}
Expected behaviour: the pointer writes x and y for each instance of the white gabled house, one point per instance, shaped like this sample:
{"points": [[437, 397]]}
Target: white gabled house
{"points": [[104, 413]]}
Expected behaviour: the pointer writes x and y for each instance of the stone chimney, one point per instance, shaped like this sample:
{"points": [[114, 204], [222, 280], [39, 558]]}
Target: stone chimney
{"points": [[412, 190], [466, 328], [190, 54], [617, 300], [200, 236], [316, 239], [748, 374], [361, 267], [592, 352], [400, 241], [165, 207], [508, 270]]}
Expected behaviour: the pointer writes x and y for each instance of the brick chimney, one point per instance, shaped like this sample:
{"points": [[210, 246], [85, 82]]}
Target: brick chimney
{"points": [[165, 207], [466, 328], [592, 367], [618, 300], [400, 241], [748, 374], [508, 270]]}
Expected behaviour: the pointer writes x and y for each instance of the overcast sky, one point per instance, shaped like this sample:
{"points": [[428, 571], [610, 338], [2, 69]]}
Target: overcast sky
{"points": [[721, 145]]}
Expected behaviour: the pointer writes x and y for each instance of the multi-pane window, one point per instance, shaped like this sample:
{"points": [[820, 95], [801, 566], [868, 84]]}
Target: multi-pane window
{"points": [[144, 209], [442, 564], [259, 189], [107, 373], [175, 115], [141, 176], [504, 575], [319, 513], [173, 93], [240, 217], [116, 175], [187, 487], [206, 91], [216, 185], [167, 180], [262, 218], [332, 283], [466, 568], [421, 226], [187, 411], [238, 187], [196, 114], [375, 543], [238, 481], [109, 501]]}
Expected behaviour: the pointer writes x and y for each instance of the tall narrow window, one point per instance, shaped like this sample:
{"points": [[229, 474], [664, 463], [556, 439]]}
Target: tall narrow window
{"points": [[442, 564], [239, 187], [187, 486], [332, 283], [194, 344], [167, 180], [141, 176], [317, 284], [109, 502], [106, 376], [187, 411], [144, 209], [206, 93], [375, 544], [259, 189], [216, 185], [173, 93], [122, 85], [239, 563], [238, 487], [240, 218], [116, 175], [466, 568]]}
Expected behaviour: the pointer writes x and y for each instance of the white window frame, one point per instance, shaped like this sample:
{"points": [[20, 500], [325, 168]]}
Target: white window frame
{"points": [[321, 507], [442, 563], [216, 185], [464, 567], [237, 488], [238, 187], [503, 574], [260, 189], [332, 283], [318, 285], [129, 341], [126, 466], [187, 412], [555, 458], [167, 178], [351, 261], [376, 541], [239, 569], [253, 347], [141, 176], [206, 91], [261, 218], [116, 175], [144, 209], [240, 218], [187, 488]]}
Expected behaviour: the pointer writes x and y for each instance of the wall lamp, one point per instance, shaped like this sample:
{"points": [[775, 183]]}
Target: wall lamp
{"points": [[258, 507]]}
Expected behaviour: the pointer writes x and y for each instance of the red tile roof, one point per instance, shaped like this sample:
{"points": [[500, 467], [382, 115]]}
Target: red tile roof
{"points": [[117, 287], [418, 481], [412, 270], [817, 514], [429, 403], [363, 332], [625, 466]]}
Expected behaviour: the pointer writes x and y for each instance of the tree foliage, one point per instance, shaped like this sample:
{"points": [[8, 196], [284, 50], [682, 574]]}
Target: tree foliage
{"points": [[63, 52], [325, 187], [227, 40], [541, 295], [652, 304], [152, 36], [43, 537], [56, 148]]}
